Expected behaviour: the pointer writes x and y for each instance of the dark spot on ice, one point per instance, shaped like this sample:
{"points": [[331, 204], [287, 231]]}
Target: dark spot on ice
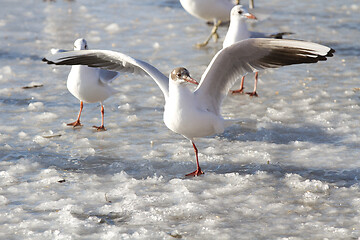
{"points": [[33, 86]]}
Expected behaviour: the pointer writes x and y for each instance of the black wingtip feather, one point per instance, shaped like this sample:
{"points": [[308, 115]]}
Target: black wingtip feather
{"points": [[330, 53], [47, 61], [290, 56]]}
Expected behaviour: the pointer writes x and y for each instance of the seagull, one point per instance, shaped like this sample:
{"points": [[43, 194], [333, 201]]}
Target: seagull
{"points": [[251, 3], [215, 11], [195, 114], [238, 31], [89, 84]]}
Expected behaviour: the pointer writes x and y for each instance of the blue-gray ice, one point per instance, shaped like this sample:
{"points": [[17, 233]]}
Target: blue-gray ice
{"points": [[289, 169]]}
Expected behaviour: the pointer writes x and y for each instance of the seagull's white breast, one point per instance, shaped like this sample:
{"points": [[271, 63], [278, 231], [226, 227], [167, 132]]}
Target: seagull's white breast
{"points": [[84, 83], [208, 9], [183, 115]]}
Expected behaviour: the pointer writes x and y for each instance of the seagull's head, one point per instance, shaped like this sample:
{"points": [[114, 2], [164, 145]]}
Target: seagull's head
{"points": [[239, 11], [182, 75], [80, 44]]}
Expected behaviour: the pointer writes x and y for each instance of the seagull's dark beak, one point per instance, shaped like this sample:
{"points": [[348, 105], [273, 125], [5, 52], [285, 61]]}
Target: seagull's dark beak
{"points": [[250, 16], [191, 80]]}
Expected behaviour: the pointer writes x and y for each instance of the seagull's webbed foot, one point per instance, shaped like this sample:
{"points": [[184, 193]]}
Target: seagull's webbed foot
{"points": [[203, 44], [213, 34], [75, 124], [197, 172], [252, 94], [239, 91], [100, 129]]}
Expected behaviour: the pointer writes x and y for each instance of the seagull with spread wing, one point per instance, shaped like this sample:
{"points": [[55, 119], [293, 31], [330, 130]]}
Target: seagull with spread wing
{"points": [[198, 114]]}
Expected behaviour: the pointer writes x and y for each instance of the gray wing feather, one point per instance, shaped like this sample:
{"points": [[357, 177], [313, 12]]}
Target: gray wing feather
{"points": [[110, 60]]}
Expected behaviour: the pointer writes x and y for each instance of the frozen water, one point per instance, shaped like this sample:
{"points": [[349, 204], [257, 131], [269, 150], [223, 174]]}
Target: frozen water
{"points": [[288, 169]]}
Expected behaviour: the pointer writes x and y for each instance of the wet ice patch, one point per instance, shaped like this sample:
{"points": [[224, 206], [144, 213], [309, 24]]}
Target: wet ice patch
{"points": [[59, 182], [8, 128], [6, 70], [5, 73], [113, 28], [156, 45], [311, 190], [22, 135], [46, 117], [36, 106]]}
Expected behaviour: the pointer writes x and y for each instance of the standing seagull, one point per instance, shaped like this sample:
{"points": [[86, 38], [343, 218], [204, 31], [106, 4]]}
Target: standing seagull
{"points": [[89, 84], [198, 114], [215, 11], [238, 31]]}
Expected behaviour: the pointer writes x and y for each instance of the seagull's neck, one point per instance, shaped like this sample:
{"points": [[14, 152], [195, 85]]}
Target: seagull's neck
{"points": [[178, 91], [241, 26], [179, 96], [238, 31]]}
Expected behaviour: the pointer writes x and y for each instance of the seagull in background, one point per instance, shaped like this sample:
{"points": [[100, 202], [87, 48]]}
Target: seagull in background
{"points": [[88, 84], [195, 114], [251, 3], [216, 11], [238, 31]]}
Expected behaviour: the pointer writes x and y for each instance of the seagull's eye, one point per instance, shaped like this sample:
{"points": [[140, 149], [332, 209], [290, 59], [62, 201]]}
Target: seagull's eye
{"points": [[178, 75], [240, 12]]}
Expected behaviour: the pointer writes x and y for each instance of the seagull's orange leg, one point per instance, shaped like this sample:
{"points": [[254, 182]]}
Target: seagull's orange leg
{"points": [[254, 93], [198, 171], [241, 89], [77, 122], [102, 127]]}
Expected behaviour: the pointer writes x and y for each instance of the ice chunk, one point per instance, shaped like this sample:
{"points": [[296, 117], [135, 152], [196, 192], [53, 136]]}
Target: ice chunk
{"points": [[36, 106], [112, 28]]}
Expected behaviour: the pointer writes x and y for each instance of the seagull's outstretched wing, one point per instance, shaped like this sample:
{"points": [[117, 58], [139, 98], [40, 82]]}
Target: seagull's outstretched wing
{"points": [[251, 55], [110, 60]]}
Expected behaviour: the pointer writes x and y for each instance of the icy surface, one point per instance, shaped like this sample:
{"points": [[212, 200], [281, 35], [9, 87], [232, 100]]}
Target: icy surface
{"points": [[289, 168]]}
